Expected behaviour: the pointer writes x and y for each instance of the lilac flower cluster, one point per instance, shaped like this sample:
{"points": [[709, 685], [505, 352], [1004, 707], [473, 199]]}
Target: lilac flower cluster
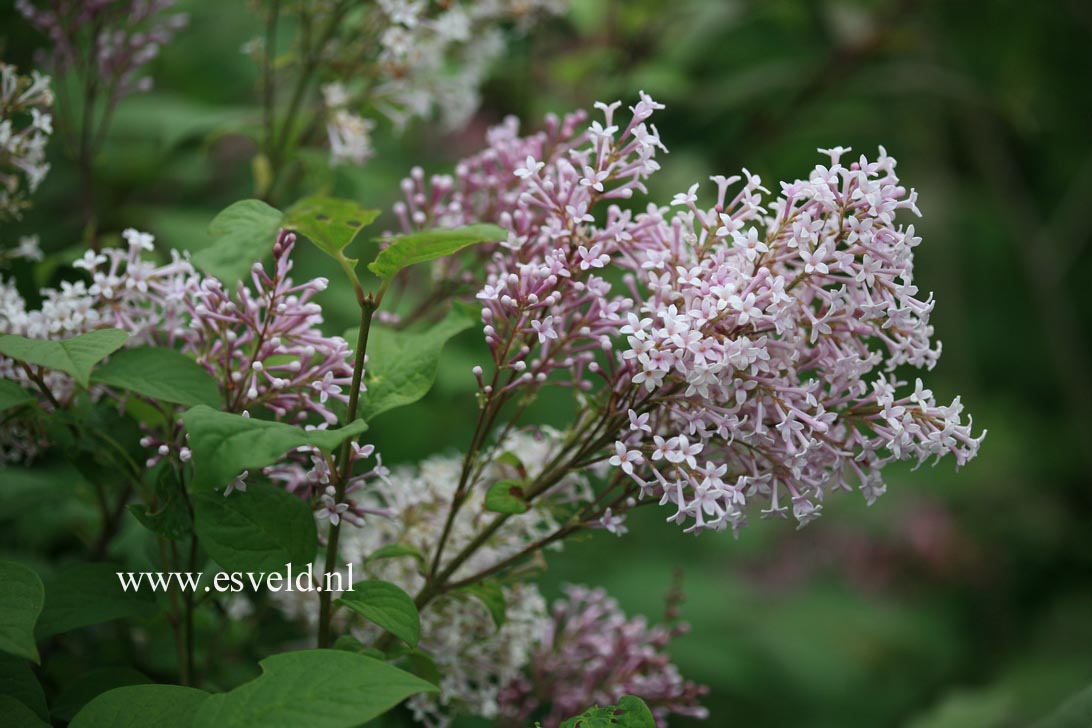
{"points": [[262, 344], [591, 653], [745, 352], [116, 38], [25, 126]]}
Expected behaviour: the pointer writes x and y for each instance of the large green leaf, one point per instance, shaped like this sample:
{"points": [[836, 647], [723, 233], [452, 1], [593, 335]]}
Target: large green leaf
{"points": [[17, 681], [20, 604], [262, 529], [76, 356], [12, 395], [224, 444], [402, 365], [160, 374], [243, 234], [313, 688], [1076, 712], [631, 712], [387, 605], [17, 715], [331, 224], [83, 594], [142, 706], [84, 688], [406, 250]]}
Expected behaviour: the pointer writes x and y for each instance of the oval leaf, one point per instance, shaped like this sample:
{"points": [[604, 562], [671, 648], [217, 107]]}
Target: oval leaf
{"points": [[12, 395], [406, 250], [506, 496], [313, 688], [140, 706], [387, 605], [18, 715], [243, 233], [160, 374], [76, 356], [17, 681], [331, 224], [631, 712], [262, 529], [402, 365], [20, 604], [84, 594], [83, 689], [490, 593], [224, 445]]}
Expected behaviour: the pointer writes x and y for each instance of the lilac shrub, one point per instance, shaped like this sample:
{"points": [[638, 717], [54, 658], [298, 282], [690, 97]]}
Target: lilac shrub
{"points": [[738, 350]]}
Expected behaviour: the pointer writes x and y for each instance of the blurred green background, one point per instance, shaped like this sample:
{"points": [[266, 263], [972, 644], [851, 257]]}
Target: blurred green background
{"points": [[959, 599]]}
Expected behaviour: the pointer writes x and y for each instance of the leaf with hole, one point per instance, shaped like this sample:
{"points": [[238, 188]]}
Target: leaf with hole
{"points": [[76, 356], [331, 224], [630, 712], [506, 496]]}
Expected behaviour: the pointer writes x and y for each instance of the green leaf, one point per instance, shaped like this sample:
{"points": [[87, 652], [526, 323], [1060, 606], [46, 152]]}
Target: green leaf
{"points": [[262, 529], [394, 550], [171, 517], [20, 604], [12, 395], [87, 686], [387, 605], [76, 356], [506, 496], [631, 712], [406, 250], [160, 374], [1076, 712], [402, 365], [331, 224], [83, 594], [141, 706], [490, 593], [224, 445], [17, 681], [313, 688], [243, 233], [417, 661], [18, 715]]}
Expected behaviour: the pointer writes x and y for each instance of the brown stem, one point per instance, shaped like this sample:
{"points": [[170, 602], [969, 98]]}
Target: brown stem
{"points": [[367, 310]]}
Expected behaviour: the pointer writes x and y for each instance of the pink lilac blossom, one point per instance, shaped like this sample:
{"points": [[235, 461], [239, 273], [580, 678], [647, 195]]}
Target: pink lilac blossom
{"points": [[591, 653], [755, 341], [25, 126], [262, 344], [116, 38]]}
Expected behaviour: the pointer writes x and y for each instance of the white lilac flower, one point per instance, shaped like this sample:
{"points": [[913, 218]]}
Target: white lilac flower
{"points": [[475, 658], [25, 127], [761, 333]]}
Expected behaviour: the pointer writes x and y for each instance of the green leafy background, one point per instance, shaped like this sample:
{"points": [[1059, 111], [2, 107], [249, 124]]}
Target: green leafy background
{"points": [[958, 599]]}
